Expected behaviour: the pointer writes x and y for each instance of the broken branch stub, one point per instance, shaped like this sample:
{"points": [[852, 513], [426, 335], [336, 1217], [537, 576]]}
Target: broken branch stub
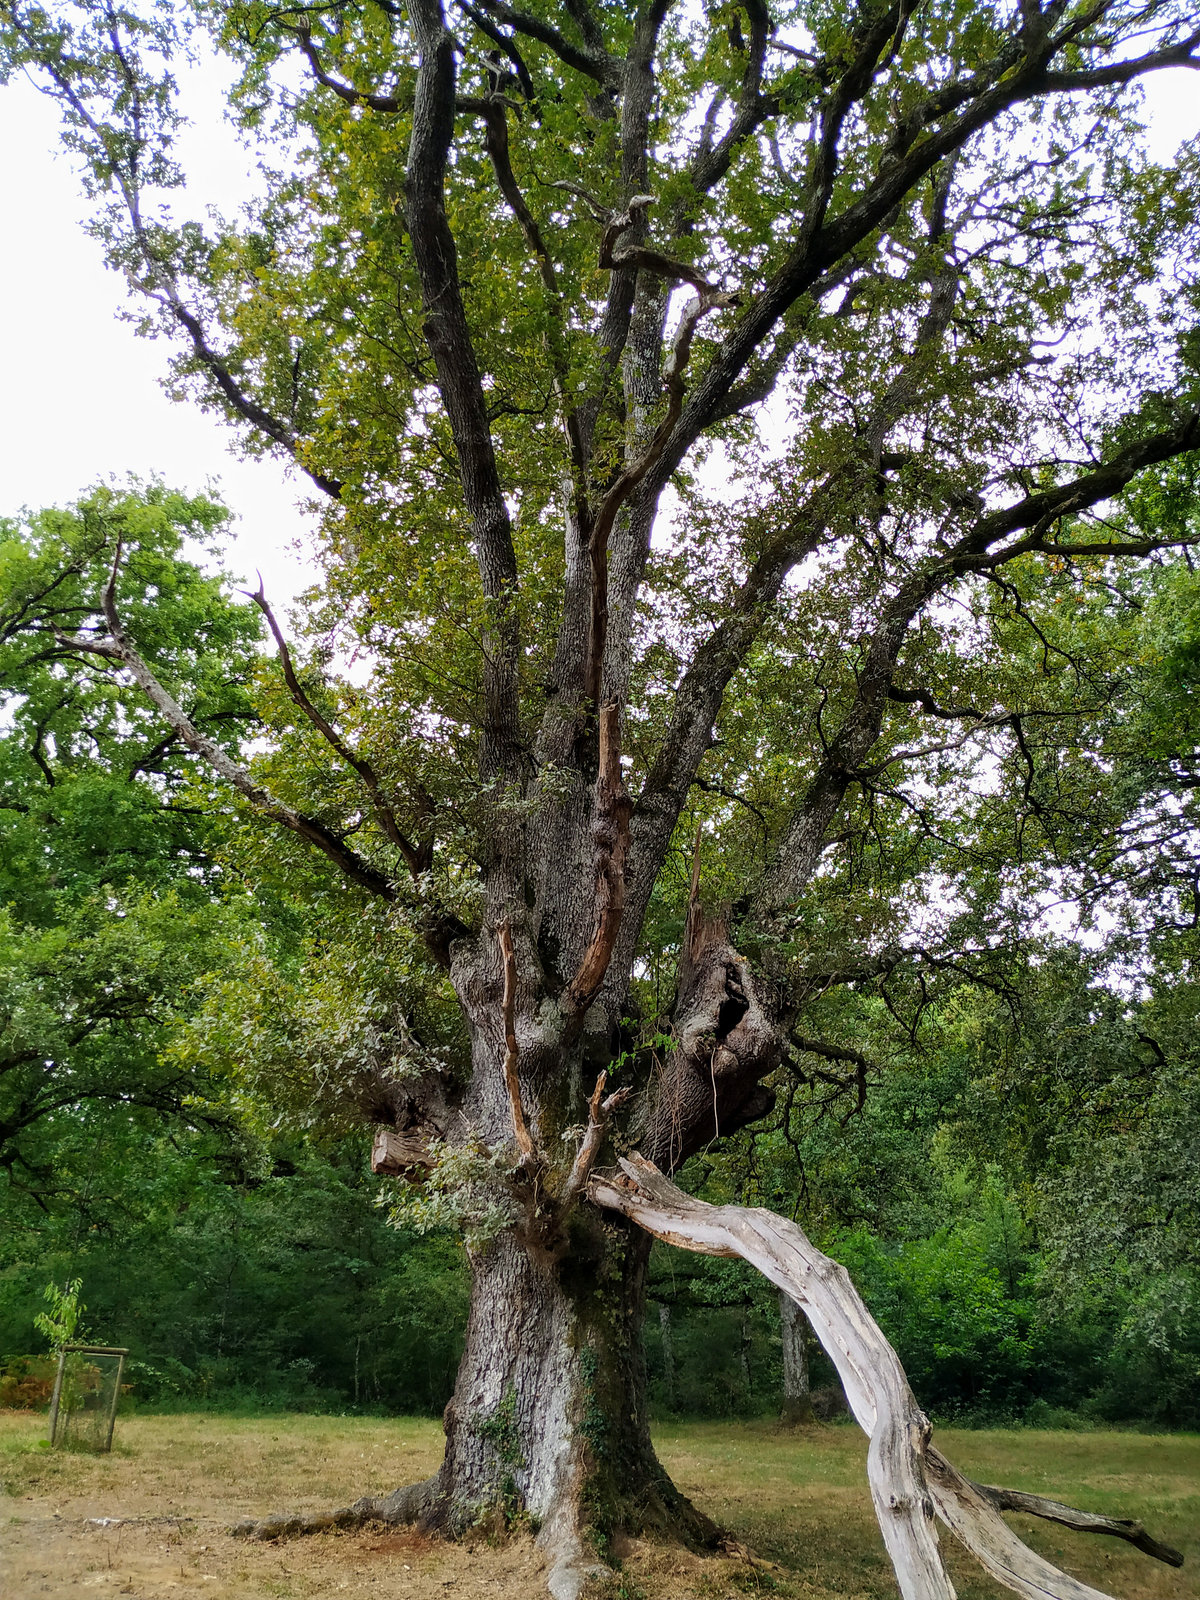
{"points": [[910, 1480], [401, 1154], [1036, 1505], [600, 1112]]}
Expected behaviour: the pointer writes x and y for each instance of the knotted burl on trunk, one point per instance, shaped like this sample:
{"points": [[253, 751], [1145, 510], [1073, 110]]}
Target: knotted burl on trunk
{"points": [[727, 1039]]}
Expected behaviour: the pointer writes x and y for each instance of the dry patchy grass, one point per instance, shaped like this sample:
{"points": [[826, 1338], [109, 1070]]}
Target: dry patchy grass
{"points": [[799, 1501]]}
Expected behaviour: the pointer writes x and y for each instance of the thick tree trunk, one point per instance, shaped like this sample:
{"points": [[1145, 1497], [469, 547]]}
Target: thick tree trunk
{"points": [[548, 1422], [548, 1427], [797, 1398], [668, 1352]]}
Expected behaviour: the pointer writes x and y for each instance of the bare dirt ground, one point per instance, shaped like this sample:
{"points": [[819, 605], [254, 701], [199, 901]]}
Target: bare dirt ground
{"points": [[151, 1519]]}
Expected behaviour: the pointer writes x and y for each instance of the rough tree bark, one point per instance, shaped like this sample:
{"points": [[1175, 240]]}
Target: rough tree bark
{"points": [[668, 1352]]}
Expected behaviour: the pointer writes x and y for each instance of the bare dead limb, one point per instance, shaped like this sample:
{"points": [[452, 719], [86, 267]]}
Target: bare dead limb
{"points": [[118, 647], [402, 1154], [638, 205], [405, 1505], [1036, 1505], [910, 1480], [512, 1056], [611, 835], [599, 1116], [415, 858]]}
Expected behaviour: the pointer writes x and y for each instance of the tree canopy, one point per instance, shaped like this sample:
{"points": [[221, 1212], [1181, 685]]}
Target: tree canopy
{"points": [[757, 444]]}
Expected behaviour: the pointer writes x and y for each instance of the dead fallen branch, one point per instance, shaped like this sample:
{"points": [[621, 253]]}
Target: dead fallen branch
{"points": [[1036, 1505], [910, 1480]]}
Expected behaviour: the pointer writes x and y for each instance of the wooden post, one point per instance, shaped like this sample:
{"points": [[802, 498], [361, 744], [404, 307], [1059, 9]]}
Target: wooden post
{"points": [[116, 1400], [57, 1392]]}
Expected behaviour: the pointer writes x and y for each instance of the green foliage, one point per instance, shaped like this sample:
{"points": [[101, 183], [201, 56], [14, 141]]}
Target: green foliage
{"points": [[499, 1428], [112, 910], [278, 1285], [61, 1324]]}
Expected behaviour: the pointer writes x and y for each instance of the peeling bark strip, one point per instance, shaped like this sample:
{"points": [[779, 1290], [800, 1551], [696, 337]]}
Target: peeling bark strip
{"points": [[909, 1479], [512, 1055], [611, 837]]}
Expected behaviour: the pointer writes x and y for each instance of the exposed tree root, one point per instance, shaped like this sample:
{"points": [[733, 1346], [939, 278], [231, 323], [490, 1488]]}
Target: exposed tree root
{"points": [[910, 1480], [412, 1503]]}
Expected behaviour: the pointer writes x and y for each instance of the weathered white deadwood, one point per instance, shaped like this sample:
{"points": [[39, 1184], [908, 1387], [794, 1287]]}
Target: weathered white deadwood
{"points": [[1036, 1505], [909, 1478], [600, 1112]]}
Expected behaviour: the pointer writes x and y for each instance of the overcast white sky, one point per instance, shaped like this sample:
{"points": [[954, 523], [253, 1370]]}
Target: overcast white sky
{"points": [[80, 399]]}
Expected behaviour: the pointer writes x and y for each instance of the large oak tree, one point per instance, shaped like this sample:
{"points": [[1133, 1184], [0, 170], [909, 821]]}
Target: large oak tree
{"points": [[698, 396]]}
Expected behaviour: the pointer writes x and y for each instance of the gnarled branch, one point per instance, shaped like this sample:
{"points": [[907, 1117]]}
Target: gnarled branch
{"points": [[627, 481], [590, 61], [1036, 1505]]}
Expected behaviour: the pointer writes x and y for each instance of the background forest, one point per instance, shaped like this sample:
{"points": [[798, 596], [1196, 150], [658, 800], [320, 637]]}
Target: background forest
{"points": [[1001, 1151]]}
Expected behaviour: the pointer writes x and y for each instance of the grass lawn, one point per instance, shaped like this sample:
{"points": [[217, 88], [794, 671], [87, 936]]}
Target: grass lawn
{"points": [[149, 1520]]}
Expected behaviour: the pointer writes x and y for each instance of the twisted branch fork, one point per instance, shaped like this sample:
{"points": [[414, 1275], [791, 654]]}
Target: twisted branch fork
{"points": [[708, 298], [600, 1109]]}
